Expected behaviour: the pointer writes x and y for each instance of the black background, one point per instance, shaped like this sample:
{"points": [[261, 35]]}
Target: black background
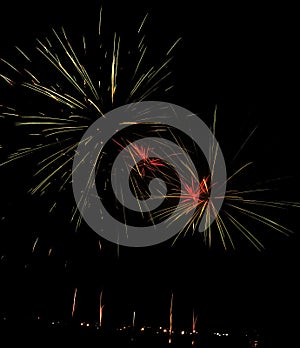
{"points": [[242, 58]]}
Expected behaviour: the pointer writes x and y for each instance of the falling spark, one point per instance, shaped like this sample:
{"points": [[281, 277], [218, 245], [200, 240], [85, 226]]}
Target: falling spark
{"points": [[133, 319], [194, 322], [101, 306], [171, 320], [34, 244], [74, 302]]}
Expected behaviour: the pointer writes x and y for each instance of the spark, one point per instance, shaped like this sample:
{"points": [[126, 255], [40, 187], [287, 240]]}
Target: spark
{"points": [[35, 244], [144, 156], [74, 302], [101, 306], [171, 320], [194, 322]]}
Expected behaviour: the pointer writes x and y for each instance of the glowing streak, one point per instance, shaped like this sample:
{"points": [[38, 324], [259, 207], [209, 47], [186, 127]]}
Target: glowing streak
{"points": [[74, 302], [114, 67], [34, 244], [101, 306], [171, 320], [194, 322]]}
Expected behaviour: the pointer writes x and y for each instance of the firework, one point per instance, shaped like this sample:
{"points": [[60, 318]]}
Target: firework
{"points": [[76, 99], [195, 195]]}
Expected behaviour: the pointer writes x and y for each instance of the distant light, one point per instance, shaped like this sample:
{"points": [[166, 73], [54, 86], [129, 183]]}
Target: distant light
{"points": [[182, 332], [81, 324], [165, 330], [87, 324], [160, 328], [142, 329]]}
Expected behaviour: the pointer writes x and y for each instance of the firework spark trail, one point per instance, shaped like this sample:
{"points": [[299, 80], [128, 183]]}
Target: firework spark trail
{"points": [[35, 244], [194, 322], [74, 303], [171, 320], [101, 306]]}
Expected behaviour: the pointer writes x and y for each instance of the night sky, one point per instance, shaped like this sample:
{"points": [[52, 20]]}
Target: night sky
{"points": [[242, 59]]}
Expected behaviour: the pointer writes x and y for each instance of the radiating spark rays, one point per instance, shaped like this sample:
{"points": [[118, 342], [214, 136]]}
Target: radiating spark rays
{"points": [[142, 154], [233, 200], [263, 219], [82, 95], [240, 227], [57, 97], [76, 93], [45, 181], [195, 196]]}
